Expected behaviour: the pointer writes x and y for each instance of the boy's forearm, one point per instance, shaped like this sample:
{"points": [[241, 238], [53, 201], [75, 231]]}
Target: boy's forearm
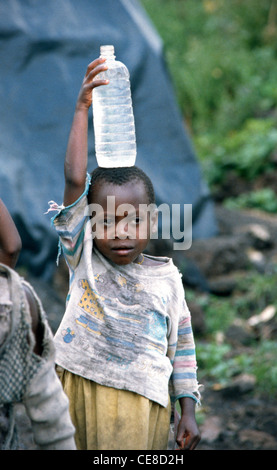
{"points": [[187, 405], [75, 166], [10, 241]]}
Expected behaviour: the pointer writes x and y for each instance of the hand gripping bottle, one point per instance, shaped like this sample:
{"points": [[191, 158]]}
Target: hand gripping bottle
{"points": [[113, 118]]}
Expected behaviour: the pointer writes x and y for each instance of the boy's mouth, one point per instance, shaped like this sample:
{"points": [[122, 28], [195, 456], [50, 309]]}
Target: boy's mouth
{"points": [[122, 249]]}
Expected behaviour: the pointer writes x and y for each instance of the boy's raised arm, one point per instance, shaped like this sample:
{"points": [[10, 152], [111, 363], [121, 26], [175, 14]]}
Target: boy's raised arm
{"points": [[10, 241], [75, 166]]}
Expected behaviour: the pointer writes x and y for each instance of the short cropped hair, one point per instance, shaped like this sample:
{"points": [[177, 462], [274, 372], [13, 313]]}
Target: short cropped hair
{"points": [[120, 176]]}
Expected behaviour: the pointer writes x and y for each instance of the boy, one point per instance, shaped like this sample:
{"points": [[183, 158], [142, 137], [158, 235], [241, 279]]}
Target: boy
{"points": [[118, 338]]}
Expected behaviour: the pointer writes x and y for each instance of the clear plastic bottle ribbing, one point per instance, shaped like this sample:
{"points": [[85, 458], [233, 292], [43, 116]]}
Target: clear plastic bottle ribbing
{"points": [[113, 118]]}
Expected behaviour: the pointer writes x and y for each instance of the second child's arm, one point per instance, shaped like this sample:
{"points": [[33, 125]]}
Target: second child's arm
{"points": [[75, 166], [10, 241]]}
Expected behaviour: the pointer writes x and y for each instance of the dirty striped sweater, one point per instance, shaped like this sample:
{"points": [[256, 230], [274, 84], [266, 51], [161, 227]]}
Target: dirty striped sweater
{"points": [[126, 327]]}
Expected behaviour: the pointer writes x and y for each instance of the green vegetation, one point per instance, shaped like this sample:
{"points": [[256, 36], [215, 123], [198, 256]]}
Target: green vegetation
{"points": [[216, 359], [247, 151], [220, 366], [263, 199], [222, 58]]}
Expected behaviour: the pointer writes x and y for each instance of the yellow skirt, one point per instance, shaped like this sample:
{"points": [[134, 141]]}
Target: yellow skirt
{"points": [[109, 419]]}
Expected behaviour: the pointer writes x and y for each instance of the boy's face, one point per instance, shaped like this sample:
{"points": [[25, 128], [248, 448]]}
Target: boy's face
{"points": [[121, 228]]}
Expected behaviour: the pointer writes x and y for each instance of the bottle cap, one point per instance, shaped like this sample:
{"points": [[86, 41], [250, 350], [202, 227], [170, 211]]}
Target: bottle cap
{"points": [[107, 50]]}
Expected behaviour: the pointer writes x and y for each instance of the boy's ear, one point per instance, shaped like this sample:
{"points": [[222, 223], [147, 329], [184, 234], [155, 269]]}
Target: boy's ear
{"points": [[154, 221]]}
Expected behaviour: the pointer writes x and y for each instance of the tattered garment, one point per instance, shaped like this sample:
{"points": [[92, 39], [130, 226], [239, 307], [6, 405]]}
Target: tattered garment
{"points": [[26, 377], [126, 327]]}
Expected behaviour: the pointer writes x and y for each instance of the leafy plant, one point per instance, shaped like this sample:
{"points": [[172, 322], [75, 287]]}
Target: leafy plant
{"points": [[215, 364], [216, 361], [263, 199], [246, 151], [222, 59]]}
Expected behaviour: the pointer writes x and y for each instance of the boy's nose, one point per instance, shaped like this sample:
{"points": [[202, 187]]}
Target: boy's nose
{"points": [[122, 229]]}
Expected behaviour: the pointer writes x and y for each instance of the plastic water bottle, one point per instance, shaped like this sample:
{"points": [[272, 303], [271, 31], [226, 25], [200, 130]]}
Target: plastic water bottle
{"points": [[113, 118]]}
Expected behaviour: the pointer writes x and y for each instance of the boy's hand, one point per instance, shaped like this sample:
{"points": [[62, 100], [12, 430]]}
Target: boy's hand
{"points": [[85, 95], [188, 435]]}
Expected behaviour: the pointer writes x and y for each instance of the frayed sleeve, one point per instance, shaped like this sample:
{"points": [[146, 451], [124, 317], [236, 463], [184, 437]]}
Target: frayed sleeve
{"points": [[181, 351], [73, 227]]}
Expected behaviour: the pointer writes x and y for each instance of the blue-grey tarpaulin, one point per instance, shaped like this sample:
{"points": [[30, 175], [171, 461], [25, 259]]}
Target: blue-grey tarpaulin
{"points": [[45, 47]]}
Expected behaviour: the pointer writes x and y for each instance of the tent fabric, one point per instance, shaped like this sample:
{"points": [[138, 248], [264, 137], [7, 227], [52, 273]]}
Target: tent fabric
{"points": [[45, 47]]}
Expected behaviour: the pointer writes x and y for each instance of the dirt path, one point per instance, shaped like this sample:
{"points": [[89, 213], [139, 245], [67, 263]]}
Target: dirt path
{"points": [[238, 422]]}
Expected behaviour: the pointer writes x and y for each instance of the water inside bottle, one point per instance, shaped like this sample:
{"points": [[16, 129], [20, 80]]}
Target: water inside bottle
{"points": [[113, 118]]}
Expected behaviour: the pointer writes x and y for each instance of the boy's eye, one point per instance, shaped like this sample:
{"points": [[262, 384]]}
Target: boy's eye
{"points": [[108, 222], [135, 220], [104, 222]]}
